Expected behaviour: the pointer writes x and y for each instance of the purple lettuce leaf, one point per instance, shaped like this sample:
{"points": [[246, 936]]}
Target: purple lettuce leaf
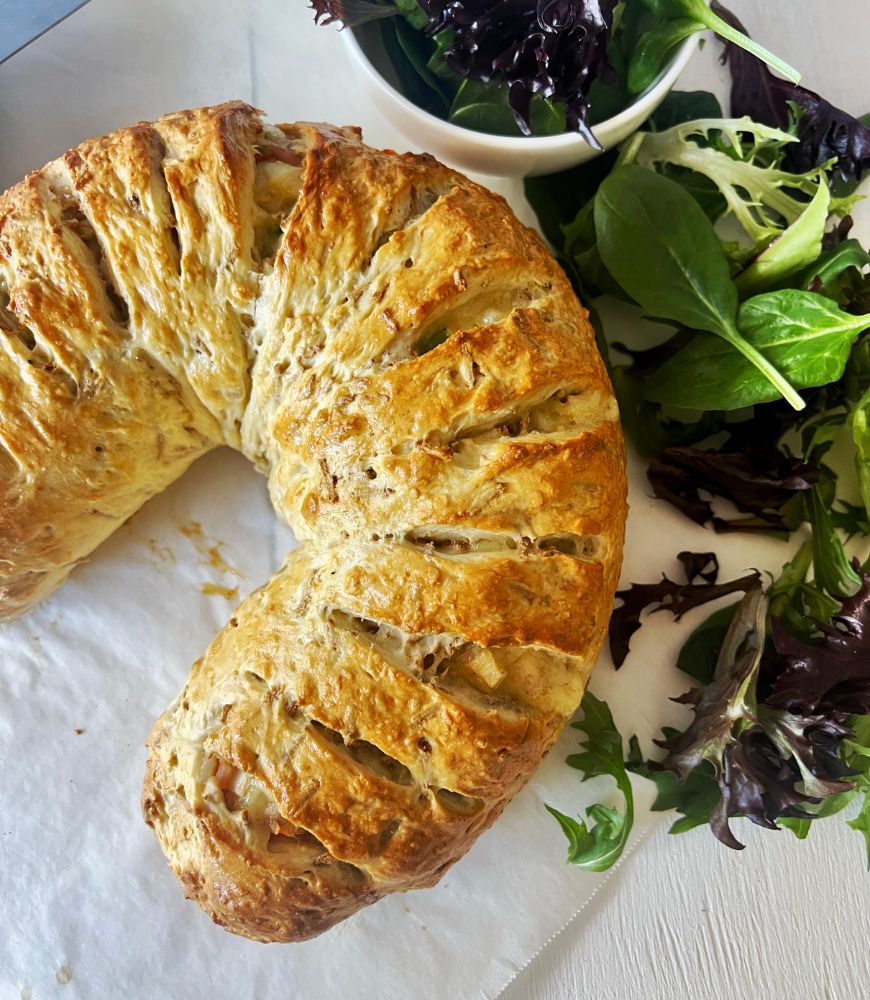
{"points": [[551, 48], [760, 483], [830, 676], [769, 763], [669, 595], [825, 131]]}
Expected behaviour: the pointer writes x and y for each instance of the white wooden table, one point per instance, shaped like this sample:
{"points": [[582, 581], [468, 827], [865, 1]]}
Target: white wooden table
{"points": [[684, 917], [687, 919]]}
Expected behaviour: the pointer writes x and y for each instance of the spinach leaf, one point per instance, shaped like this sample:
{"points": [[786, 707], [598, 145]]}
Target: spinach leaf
{"points": [[608, 94], [442, 41], [605, 101], [791, 252], [682, 106], [660, 247], [653, 428], [803, 334], [652, 50], [581, 247], [408, 52], [484, 107], [699, 11], [557, 198], [547, 117], [418, 51], [597, 846], [413, 13]]}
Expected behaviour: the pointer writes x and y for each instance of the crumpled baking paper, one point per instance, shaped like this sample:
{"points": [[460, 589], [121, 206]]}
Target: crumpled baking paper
{"points": [[89, 906]]}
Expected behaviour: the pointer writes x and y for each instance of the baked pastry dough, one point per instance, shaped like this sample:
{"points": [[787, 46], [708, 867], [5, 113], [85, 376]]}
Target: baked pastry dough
{"points": [[411, 370]]}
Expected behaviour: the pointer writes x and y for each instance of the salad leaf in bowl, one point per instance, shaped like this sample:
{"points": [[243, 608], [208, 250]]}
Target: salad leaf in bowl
{"points": [[516, 87]]}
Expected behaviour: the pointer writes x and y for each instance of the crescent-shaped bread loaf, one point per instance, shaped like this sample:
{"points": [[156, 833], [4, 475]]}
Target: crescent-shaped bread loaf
{"points": [[411, 370]]}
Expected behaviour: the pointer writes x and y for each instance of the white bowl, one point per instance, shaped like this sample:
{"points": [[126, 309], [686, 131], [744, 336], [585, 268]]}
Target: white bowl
{"points": [[504, 156]]}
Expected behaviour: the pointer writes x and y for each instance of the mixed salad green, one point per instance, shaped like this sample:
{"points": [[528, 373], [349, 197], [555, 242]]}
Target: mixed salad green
{"points": [[735, 233], [533, 67]]}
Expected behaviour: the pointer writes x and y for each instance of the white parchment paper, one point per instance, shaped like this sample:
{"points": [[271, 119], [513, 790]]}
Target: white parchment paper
{"points": [[89, 907]]}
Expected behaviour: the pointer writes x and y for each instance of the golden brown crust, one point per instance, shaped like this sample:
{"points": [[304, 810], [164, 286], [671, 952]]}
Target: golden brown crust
{"points": [[413, 373]]}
